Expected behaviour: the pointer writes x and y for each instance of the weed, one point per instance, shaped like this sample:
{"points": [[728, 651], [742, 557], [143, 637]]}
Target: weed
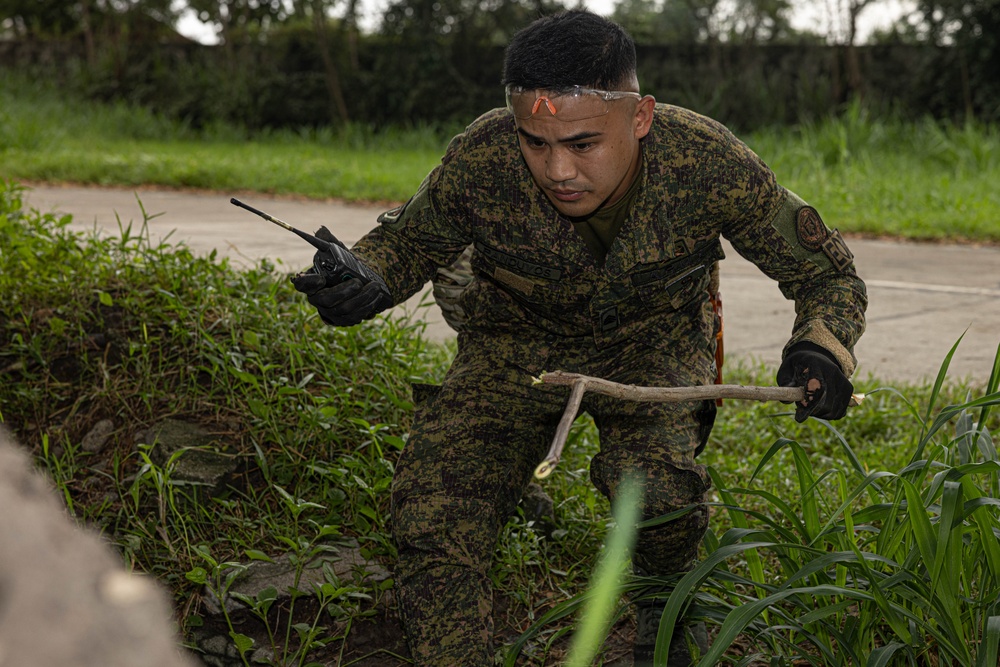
{"points": [[126, 330]]}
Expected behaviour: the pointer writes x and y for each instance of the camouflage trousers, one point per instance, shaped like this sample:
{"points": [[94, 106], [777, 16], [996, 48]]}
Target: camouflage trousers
{"points": [[471, 453]]}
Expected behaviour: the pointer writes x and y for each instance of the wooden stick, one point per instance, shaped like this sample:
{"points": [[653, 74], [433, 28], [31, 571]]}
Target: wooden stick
{"points": [[582, 383]]}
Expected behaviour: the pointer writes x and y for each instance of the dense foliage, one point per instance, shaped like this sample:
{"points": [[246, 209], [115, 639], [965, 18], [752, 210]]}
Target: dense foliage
{"points": [[286, 64]]}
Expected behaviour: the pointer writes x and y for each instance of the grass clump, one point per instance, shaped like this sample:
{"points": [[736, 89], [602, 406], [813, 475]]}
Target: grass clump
{"points": [[866, 564], [124, 330], [833, 554], [880, 176], [118, 329]]}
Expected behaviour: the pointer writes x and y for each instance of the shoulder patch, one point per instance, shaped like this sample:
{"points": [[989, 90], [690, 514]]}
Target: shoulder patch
{"points": [[391, 216], [811, 231], [394, 217], [836, 249]]}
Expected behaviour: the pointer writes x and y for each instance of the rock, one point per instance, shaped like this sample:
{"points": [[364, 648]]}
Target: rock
{"points": [[280, 574], [537, 505], [348, 566], [97, 439], [197, 456], [65, 598]]}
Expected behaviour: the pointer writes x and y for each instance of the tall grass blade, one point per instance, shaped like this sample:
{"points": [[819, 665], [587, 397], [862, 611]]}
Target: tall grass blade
{"points": [[844, 509], [988, 647], [807, 491], [951, 510], [741, 617], [856, 463], [945, 584], [921, 525], [881, 656], [776, 447], [606, 586], [689, 583], [947, 414], [557, 613], [986, 522], [991, 386], [739, 520], [942, 373]]}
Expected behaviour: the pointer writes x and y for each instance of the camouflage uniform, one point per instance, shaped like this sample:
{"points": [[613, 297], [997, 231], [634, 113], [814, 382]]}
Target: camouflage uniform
{"points": [[539, 301]]}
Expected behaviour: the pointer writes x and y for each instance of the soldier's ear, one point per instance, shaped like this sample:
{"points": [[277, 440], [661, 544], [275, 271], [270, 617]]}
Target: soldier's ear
{"points": [[643, 118]]}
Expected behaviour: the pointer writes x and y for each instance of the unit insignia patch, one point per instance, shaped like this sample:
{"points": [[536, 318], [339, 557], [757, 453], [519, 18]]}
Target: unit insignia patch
{"points": [[810, 229]]}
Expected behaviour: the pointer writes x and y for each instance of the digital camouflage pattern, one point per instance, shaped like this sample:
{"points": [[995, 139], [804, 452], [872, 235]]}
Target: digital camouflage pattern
{"points": [[540, 301], [477, 440], [449, 284]]}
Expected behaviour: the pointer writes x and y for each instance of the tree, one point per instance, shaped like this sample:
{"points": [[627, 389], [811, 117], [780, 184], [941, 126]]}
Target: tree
{"points": [[318, 10], [110, 24], [972, 27], [28, 18], [705, 21], [229, 16], [438, 45], [757, 21], [667, 21]]}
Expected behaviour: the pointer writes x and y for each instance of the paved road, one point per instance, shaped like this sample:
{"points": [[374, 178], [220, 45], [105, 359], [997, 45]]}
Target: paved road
{"points": [[922, 297]]}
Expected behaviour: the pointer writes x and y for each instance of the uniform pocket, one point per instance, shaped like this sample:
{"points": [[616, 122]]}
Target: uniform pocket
{"points": [[670, 285], [662, 294]]}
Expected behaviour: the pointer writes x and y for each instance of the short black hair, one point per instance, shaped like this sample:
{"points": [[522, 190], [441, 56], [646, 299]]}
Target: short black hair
{"points": [[572, 48]]}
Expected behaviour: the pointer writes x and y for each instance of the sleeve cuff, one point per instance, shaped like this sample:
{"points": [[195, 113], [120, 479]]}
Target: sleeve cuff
{"points": [[816, 332]]}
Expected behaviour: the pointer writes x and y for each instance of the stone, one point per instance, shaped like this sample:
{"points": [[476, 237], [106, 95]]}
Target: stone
{"points": [[98, 437], [348, 565], [65, 597], [196, 455]]}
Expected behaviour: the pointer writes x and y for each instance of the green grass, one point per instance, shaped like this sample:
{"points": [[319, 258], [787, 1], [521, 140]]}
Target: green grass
{"points": [[883, 177], [134, 332], [839, 548], [866, 174], [46, 137]]}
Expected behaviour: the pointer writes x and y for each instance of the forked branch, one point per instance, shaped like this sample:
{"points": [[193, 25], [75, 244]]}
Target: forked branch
{"points": [[583, 383]]}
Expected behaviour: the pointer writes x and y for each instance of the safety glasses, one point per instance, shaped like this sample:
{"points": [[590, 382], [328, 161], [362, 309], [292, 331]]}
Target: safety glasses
{"points": [[570, 104]]}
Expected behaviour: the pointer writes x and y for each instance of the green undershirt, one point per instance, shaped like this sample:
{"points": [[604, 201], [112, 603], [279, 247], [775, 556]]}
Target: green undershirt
{"points": [[601, 228]]}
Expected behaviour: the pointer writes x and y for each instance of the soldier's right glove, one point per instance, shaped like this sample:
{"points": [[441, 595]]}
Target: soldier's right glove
{"points": [[828, 391], [346, 303]]}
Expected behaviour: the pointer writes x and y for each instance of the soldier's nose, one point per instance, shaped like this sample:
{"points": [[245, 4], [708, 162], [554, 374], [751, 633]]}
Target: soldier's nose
{"points": [[559, 169]]}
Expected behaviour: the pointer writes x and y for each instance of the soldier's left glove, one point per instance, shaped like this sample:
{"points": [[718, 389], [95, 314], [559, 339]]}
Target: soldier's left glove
{"points": [[828, 391]]}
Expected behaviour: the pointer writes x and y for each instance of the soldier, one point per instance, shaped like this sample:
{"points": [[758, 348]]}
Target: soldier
{"points": [[595, 215]]}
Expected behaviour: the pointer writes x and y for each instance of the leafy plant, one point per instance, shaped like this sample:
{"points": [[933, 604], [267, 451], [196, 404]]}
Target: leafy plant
{"points": [[122, 329], [855, 566]]}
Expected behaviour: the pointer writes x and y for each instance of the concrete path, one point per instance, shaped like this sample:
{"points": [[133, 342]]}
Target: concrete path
{"points": [[923, 297]]}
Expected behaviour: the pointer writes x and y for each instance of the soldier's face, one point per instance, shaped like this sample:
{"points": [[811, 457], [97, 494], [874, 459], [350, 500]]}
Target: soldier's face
{"points": [[582, 165]]}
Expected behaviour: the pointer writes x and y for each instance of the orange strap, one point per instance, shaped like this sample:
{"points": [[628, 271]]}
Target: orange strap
{"points": [[720, 354]]}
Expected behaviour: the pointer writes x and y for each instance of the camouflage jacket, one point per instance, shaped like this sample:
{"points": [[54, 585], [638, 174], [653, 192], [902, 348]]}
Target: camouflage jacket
{"points": [[535, 277]]}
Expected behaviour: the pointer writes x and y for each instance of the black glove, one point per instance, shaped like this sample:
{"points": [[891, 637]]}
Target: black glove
{"points": [[346, 303], [828, 391]]}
